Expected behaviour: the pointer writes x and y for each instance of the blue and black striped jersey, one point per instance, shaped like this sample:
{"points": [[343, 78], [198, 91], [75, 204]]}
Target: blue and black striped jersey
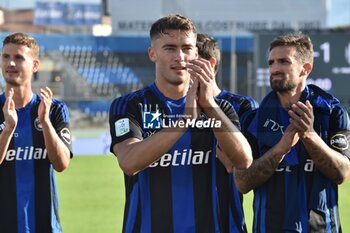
{"points": [[177, 193], [241, 103], [227, 189], [297, 197], [28, 195]]}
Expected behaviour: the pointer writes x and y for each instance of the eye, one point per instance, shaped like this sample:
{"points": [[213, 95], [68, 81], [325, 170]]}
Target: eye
{"points": [[19, 57], [5, 56], [187, 49]]}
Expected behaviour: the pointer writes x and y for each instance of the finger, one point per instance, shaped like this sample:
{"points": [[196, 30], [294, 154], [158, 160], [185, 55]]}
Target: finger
{"points": [[9, 103], [309, 106], [301, 111], [194, 88], [44, 94], [203, 68], [206, 66], [11, 92], [298, 122], [306, 108], [49, 91]]}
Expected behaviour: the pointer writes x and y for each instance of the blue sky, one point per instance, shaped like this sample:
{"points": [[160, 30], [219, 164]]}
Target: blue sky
{"points": [[339, 14]]}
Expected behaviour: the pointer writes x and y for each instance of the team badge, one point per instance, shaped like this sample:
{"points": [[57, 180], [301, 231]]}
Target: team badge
{"points": [[66, 135], [122, 126], [37, 124], [340, 142]]}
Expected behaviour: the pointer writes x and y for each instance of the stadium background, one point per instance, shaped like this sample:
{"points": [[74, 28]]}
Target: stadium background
{"points": [[94, 52]]}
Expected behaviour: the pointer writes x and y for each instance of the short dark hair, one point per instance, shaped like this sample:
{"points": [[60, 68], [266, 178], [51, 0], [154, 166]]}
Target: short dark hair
{"points": [[301, 42], [20, 38], [172, 22], [208, 47]]}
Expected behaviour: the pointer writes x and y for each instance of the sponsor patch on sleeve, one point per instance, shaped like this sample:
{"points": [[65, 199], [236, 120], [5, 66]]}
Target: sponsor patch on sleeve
{"points": [[122, 127], [339, 141]]}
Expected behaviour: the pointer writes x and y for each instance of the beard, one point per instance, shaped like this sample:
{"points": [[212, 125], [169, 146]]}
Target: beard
{"points": [[281, 85]]}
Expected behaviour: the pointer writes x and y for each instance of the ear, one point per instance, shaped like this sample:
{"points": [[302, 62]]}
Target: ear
{"points": [[152, 54], [213, 62], [307, 68], [36, 64]]}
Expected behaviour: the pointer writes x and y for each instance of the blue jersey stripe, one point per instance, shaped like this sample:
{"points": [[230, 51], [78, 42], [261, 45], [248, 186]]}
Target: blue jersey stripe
{"points": [[132, 211], [238, 210], [25, 184], [144, 185], [181, 180], [259, 210], [56, 227]]}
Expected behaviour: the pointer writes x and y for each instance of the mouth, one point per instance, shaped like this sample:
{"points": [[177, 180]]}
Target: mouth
{"points": [[179, 68], [277, 77], [11, 72]]}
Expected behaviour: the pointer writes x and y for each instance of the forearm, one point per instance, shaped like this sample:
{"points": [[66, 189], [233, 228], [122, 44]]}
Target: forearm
{"points": [[135, 155], [259, 172], [224, 160], [231, 140], [5, 139], [58, 153], [331, 163]]}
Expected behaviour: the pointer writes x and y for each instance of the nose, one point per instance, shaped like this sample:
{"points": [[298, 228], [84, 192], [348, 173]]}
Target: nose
{"points": [[180, 55], [12, 63], [273, 68]]}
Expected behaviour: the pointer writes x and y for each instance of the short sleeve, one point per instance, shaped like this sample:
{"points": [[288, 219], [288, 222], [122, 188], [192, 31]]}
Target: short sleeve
{"points": [[339, 131], [229, 111], [124, 121], [60, 119]]}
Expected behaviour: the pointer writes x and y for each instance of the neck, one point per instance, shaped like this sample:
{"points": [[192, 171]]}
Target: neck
{"points": [[287, 99], [173, 91], [21, 96]]}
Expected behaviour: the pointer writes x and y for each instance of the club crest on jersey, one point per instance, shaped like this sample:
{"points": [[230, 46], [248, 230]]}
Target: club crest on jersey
{"points": [[37, 124], [66, 135], [151, 119], [339, 141]]}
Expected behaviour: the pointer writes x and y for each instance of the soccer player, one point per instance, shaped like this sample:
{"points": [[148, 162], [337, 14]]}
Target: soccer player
{"points": [[165, 145], [208, 48], [300, 142], [35, 140]]}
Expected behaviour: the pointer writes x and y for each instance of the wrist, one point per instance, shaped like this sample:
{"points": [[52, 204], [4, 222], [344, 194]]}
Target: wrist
{"points": [[279, 152], [8, 131]]}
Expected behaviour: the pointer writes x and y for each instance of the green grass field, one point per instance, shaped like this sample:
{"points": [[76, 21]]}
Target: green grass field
{"points": [[91, 194]]}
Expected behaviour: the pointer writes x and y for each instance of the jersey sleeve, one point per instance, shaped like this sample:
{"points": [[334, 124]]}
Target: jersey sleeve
{"points": [[60, 120], [124, 121], [339, 131], [229, 111], [247, 104]]}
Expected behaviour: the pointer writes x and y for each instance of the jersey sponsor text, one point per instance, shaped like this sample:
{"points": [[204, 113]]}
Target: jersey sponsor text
{"points": [[26, 153], [185, 157], [308, 167]]}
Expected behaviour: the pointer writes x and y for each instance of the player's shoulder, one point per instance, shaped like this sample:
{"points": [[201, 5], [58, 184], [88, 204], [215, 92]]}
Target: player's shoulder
{"points": [[240, 99], [58, 102], [121, 103], [247, 118], [322, 99]]}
